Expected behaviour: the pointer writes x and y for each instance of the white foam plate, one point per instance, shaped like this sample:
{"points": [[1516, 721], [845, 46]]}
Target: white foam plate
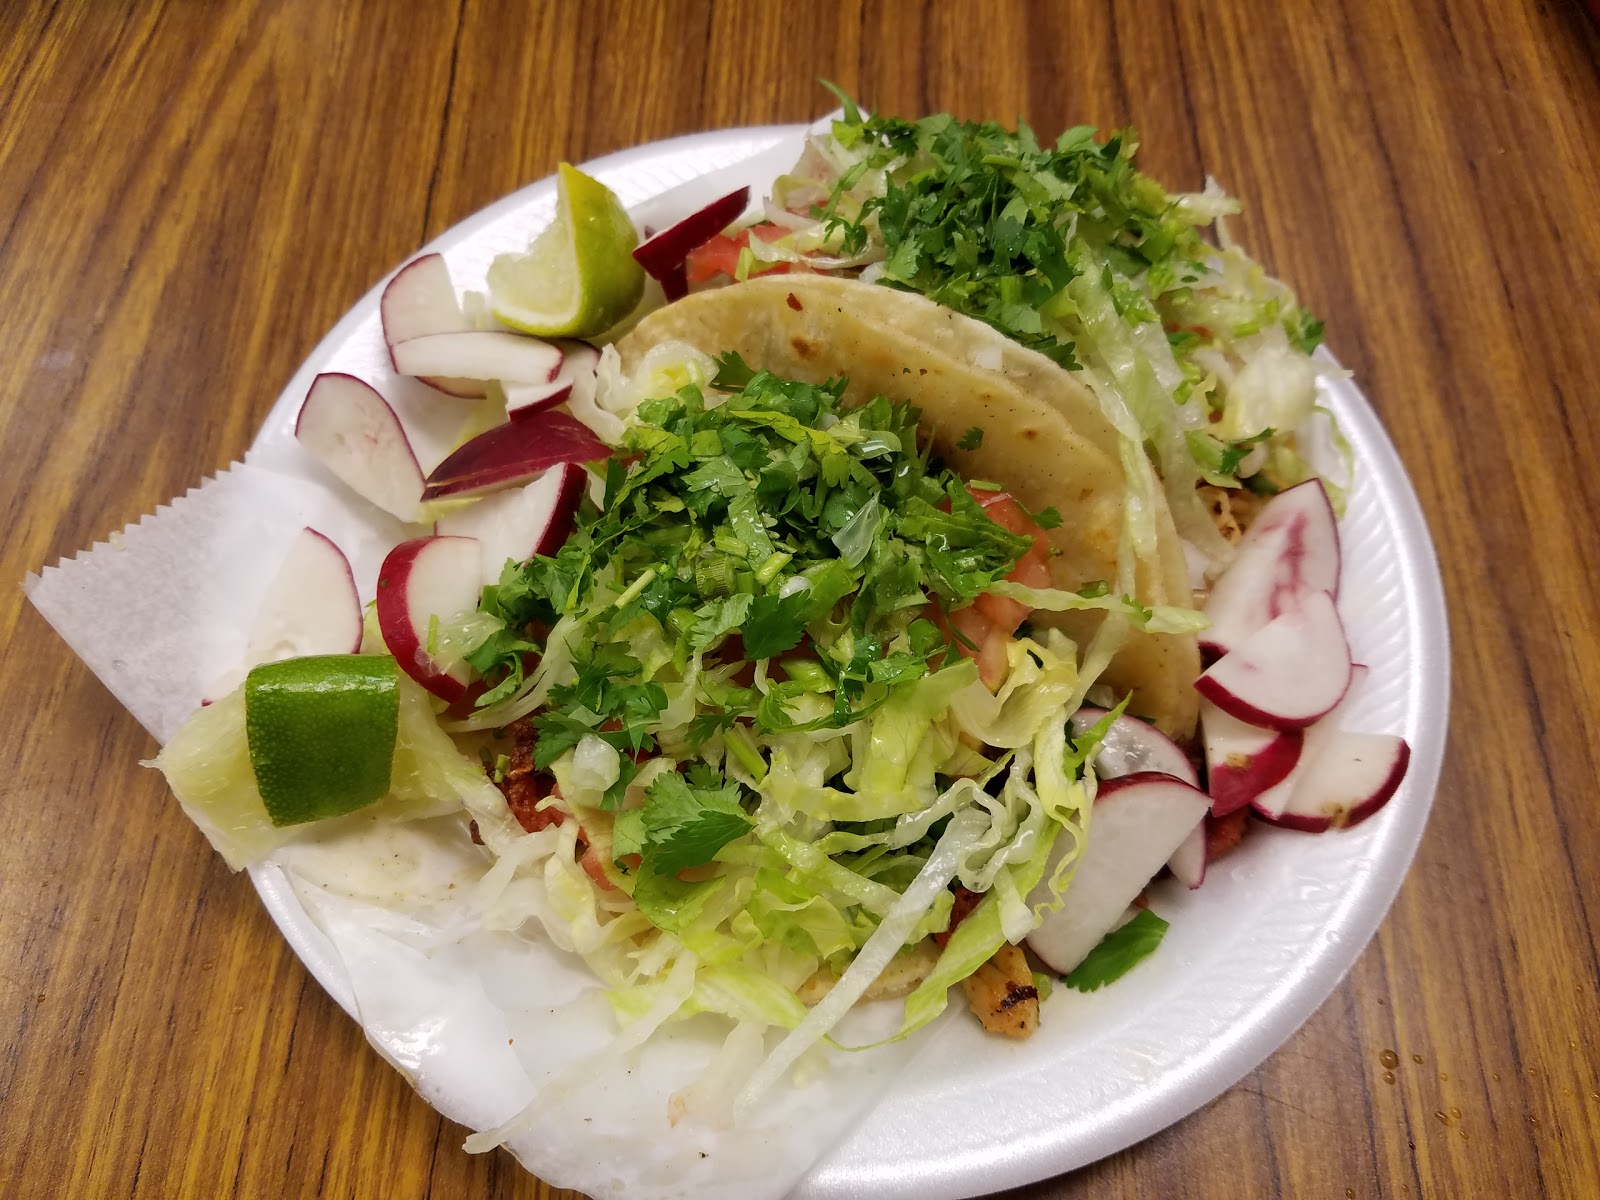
{"points": [[1249, 956]]}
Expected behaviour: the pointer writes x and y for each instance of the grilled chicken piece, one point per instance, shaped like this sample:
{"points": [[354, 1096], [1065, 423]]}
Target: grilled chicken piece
{"points": [[1002, 994], [1233, 509]]}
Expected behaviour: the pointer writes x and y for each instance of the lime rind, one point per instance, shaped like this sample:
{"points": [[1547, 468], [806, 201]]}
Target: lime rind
{"points": [[578, 278], [321, 732], [207, 765]]}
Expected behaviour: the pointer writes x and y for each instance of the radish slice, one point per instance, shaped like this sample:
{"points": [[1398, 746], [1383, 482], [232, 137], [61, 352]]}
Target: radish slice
{"points": [[573, 384], [422, 582], [1189, 860], [1138, 821], [478, 354], [1273, 800], [310, 607], [1288, 673], [517, 524], [1290, 552], [1242, 761], [663, 255], [420, 300], [514, 453], [1352, 777], [1131, 746], [350, 429]]}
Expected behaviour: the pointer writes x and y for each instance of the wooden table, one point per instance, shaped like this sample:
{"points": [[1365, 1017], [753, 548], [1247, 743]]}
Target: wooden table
{"points": [[192, 193]]}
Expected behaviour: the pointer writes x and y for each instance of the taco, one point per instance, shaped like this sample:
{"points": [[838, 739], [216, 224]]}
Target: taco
{"points": [[1042, 436]]}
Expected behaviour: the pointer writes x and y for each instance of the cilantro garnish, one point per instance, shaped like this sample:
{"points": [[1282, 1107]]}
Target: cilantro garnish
{"points": [[741, 530], [987, 221], [684, 821], [971, 439], [1118, 952]]}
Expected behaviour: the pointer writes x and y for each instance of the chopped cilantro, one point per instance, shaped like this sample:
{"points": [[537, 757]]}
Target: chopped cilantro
{"points": [[736, 530], [971, 439], [986, 221]]}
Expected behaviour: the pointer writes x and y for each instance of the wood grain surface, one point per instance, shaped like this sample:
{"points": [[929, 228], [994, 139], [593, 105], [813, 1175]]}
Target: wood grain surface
{"points": [[191, 194]]}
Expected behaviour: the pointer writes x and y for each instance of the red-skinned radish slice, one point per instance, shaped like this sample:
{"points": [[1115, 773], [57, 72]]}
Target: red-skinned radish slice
{"points": [[1138, 822], [1287, 674], [1290, 552], [1131, 746], [420, 300], [351, 430], [1272, 800], [1352, 777], [310, 607], [519, 523], [1242, 761], [1188, 862], [663, 254], [1271, 803], [421, 583], [478, 354], [574, 383], [514, 453]]}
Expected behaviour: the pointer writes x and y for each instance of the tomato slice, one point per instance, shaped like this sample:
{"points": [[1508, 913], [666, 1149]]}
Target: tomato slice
{"points": [[991, 620], [1032, 569]]}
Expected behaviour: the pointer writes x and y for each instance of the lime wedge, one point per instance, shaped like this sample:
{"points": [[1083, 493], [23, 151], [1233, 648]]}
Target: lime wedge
{"points": [[321, 732], [208, 762], [578, 278]]}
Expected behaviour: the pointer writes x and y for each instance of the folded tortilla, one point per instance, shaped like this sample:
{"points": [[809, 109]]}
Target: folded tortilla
{"points": [[1045, 437]]}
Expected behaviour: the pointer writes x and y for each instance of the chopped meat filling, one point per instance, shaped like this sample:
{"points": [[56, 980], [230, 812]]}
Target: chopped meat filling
{"points": [[1233, 509], [1002, 994], [522, 786]]}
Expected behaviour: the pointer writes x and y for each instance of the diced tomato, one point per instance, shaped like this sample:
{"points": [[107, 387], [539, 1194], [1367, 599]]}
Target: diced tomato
{"points": [[994, 663], [988, 641], [720, 256], [1032, 569], [992, 620]]}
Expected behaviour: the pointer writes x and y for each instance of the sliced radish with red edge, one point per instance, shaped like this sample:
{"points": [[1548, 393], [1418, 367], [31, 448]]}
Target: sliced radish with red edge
{"points": [[663, 254], [514, 453], [1288, 673], [310, 607], [420, 300], [351, 430], [421, 583], [1130, 746], [574, 383], [1138, 822], [517, 524], [478, 354], [1242, 761], [1352, 777], [1290, 552]]}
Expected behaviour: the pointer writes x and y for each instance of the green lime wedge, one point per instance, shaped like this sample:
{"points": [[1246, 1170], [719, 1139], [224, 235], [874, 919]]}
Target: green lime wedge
{"points": [[322, 733], [209, 763], [578, 278]]}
